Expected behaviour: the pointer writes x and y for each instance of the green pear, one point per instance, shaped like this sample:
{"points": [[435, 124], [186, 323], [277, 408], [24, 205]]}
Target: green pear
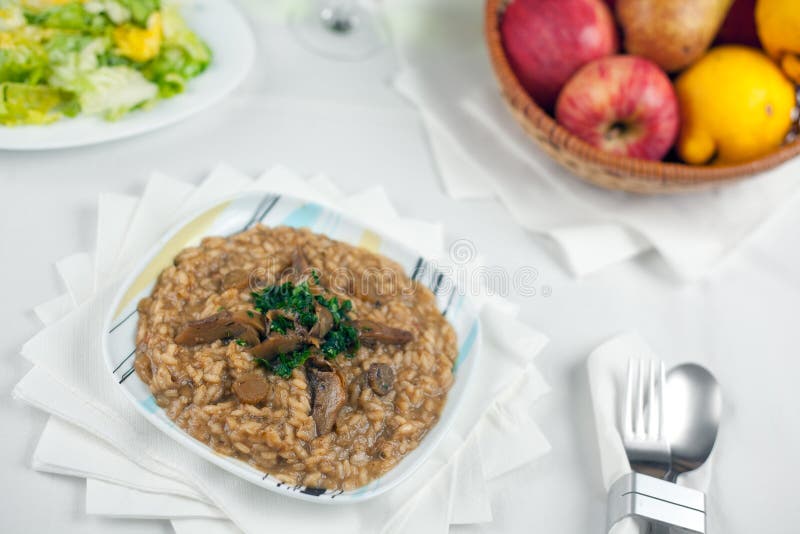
{"points": [[671, 33]]}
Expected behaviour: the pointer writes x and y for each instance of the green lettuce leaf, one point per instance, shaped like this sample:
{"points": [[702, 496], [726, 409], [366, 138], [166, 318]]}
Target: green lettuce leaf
{"points": [[108, 91], [23, 62], [34, 104], [117, 13], [100, 89], [73, 16], [140, 9], [65, 47], [171, 70], [183, 55], [178, 34]]}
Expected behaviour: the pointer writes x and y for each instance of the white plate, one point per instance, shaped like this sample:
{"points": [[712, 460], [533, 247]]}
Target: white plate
{"points": [[272, 210], [232, 45]]}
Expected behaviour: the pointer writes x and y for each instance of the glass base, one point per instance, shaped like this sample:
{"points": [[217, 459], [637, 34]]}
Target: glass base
{"points": [[348, 33]]}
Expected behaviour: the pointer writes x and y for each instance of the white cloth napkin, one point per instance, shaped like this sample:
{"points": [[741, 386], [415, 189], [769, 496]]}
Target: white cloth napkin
{"points": [[113, 500], [608, 366], [481, 151], [69, 381]]}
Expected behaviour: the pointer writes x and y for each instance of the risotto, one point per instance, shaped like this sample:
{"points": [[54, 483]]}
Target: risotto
{"points": [[315, 361]]}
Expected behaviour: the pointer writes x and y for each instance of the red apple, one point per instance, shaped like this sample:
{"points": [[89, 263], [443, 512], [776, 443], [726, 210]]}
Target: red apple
{"points": [[548, 40], [624, 105], [739, 26]]}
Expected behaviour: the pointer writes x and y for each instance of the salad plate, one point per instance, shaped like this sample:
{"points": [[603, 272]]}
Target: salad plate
{"points": [[226, 33], [273, 211]]}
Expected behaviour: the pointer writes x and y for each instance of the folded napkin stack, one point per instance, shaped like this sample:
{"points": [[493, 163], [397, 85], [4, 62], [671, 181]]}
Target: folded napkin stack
{"points": [[481, 152], [608, 367], [133, 470]]}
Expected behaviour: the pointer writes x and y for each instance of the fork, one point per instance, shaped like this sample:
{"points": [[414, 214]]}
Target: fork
{"points": [[643, 435]]}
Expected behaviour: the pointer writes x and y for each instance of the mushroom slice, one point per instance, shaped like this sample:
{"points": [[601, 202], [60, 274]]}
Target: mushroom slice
{"points": [[218, 326], [328, 394], [355, 388], [252, 319], [374, 286], [324, 321], [300, 270], [248, 336], [236, 279], [251, 388], [222, 325], [277, 344], [372, 332], [299, 262], [381, 378]]}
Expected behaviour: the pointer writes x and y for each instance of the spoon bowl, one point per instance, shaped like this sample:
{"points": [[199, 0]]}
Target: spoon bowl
{"points": [[691, 416]]}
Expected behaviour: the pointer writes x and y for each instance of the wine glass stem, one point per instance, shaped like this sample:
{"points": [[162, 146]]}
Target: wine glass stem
{"points": [[338, 15]]}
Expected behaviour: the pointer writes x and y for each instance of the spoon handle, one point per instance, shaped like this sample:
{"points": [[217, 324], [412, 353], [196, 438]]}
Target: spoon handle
{"points": [[659, 504]]}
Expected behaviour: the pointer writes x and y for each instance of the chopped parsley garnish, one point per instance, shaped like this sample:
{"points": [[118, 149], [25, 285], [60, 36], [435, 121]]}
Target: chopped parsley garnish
{"points": [[337, 308], [292, 298], [241, 342], [298, 301], [283, 364], [281, 324], [340, 339]]}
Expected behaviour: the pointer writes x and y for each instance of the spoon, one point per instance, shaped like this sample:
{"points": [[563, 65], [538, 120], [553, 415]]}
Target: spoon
{"points": [[691, 416]]}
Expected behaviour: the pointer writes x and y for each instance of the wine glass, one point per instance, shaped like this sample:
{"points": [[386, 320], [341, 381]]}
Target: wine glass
{"points": [[339, 29]]}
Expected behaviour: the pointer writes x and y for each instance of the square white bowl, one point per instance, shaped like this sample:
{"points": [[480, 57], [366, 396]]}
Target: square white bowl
{"points": [[236, 215]]}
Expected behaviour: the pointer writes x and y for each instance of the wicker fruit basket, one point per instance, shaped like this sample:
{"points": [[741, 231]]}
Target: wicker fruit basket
{"points": [[598, 167]]}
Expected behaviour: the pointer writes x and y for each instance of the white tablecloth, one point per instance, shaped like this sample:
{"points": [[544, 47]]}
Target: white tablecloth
{"points": [[312, 115]]}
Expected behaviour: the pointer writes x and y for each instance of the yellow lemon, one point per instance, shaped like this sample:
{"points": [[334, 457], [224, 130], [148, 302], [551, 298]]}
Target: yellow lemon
{"points": [[736, 105], [139, 44], [778, 25]]}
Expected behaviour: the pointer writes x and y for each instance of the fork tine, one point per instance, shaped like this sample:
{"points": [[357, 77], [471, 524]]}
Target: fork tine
{"points": [[639, 424], [653, 403], [647, 449], [627, 428]]}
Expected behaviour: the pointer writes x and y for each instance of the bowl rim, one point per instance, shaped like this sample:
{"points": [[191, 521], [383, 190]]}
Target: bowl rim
{"points": [[648, 172]]}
